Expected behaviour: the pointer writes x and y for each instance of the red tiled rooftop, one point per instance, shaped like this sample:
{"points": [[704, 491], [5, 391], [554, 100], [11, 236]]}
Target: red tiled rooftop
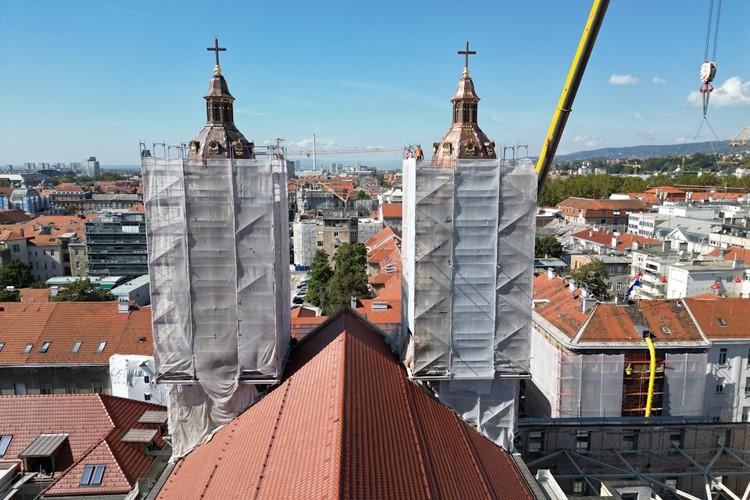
{"points": [[391, 210], [13, 216], [369, 432], [563, 309], [732, 253], [94, 424], [624, 240], [384, 235], [603, 204], [64, 323], [734, 314], [668, 321]]}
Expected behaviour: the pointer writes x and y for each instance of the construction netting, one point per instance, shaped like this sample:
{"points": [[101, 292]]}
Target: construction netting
{"points": [[468, 246], [218, 247], [590, 385], [468, 262], [685, 383]]}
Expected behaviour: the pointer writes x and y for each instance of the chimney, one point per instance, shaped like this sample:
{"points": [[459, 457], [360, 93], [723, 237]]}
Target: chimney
{"points": [[353, 302], [587, 303], [572, 286], [123, 305], [53, 291], [550, 273]]}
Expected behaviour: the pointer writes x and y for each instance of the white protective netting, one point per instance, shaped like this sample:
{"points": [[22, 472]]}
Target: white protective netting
{"points": [[468, 246], [218, 247], [684, 384], [590, 385]]}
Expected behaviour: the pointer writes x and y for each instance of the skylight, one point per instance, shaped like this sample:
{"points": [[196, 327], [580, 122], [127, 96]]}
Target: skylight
{"points": [[92, 475], [721, 321], [2, 344], [45, 346], [76, 346], [101, 347], [27, 349], [4, 443]]}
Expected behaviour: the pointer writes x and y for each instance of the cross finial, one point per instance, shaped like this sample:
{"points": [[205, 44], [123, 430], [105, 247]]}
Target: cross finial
{"points": [[216, 49], [466, 53]]}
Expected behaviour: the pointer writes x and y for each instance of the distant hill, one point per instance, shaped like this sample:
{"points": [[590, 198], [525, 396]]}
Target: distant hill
{"points": [[642, 152]]}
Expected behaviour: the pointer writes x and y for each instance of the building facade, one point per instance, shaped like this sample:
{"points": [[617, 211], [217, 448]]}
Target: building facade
{"points": [[116, 245]]}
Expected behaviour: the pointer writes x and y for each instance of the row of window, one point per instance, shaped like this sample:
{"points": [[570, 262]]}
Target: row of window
{"points": [[47, 343], [721, 383], [583, 441], [19, 388], [723, 352]]}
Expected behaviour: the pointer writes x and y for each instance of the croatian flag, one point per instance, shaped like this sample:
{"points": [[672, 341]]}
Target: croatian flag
{"points": [[636, 282]]}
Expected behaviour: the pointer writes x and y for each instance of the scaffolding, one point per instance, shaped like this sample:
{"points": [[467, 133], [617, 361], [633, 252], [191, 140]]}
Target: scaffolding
{"points": [[218, 247], [468, 240]]}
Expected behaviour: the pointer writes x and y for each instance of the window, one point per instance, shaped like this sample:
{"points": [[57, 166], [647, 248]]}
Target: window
{"points": [[4, 443], [721, 321], [747, 385], [578, 487], [19, 389], [722, 356], [45, 388], [101, 347], [92, 475], [147, 396], [675, 439], [76, 346], [748, 357], [320, 243], [45, 346], [27, 348], [630, 441], [146, 379], [719, 385], [536, 441], [2, 344], [97, 387], [71, 388], [745, 413], [582, 441], [16, 248]]}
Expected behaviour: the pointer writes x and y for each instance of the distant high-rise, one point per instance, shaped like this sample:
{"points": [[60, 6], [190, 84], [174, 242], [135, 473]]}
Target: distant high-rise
{"points": [[218, 244], [468, 245], [90, 167]]}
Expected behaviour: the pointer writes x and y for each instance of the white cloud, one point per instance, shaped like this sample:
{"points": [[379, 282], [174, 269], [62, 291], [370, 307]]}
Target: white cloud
{"points": [[658, 81], [623, 80], [637, 116], [587, 142], [732, 93]]}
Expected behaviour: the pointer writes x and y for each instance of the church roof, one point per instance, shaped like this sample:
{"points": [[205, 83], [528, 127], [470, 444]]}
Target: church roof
{"points": [[368, 432]]}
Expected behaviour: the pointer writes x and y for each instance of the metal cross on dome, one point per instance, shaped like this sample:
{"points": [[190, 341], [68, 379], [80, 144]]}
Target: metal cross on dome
{"points": [[466, 53], [216, 49]]}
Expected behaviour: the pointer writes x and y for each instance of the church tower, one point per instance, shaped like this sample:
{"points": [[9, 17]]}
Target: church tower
{"points": [[218, 247], [468, 246], [464, 140]]}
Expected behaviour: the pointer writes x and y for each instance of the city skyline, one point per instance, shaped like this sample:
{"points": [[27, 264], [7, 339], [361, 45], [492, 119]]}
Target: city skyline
{"points": [[96, 77]]}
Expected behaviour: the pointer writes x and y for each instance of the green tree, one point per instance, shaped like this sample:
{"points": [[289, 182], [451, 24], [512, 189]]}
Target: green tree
{"points": [[82, 291], [320, 275], [349, 277], [547, 247], [593, 277], [15, 274], [362, 194], [8, 296]]}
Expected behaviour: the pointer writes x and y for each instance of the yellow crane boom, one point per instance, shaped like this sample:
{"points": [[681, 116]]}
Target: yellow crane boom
{"points": [[575, 75]]}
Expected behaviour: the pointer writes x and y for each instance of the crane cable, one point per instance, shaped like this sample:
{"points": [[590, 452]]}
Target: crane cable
{"points": [[708, 68]]}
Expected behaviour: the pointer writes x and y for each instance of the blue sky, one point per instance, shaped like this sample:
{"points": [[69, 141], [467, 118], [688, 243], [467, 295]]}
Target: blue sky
{"points": [[95, 77]]}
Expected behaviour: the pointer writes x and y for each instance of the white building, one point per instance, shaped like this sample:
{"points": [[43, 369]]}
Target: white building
{"points": [[686, 278], [304, 242], [90, 167], [367, 228]]}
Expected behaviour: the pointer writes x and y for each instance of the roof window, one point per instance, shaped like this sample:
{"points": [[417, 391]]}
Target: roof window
{"points": [[92, 475], [4, 443], [2, 344], [27, 349], [76, 346], [101, 347], [45, 346], [721, 321]]}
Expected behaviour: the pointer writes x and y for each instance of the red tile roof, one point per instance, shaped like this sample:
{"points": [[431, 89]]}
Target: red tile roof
{"points": [[732, 253], [369, 432], [563, 309], [63, 324], [9, 235], [384, 235], [57, 224], [668, 321], [607, 323], [734, 314], [12, 216], [391, 210], [94, 424], [624, 241], [605, 204], [31, 295]]}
